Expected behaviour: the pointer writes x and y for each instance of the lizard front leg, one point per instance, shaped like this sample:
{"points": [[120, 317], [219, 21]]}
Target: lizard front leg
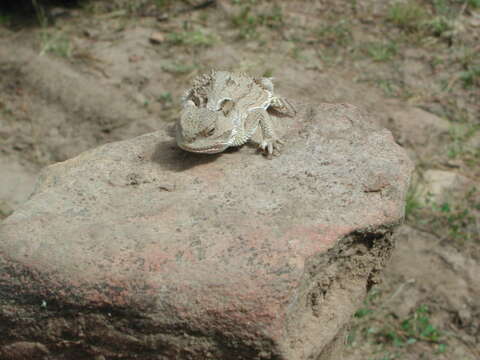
{"points": [[260, 117]]}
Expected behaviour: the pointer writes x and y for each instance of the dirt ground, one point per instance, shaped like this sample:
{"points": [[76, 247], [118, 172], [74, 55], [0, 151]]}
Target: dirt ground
{"points": [[414, 64]]}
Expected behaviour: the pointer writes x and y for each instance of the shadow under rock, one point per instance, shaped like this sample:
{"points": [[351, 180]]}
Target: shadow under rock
{"points": [[170, 157]]}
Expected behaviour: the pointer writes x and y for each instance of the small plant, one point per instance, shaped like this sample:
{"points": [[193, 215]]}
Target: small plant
{"points": [[40, 12], [248, 20], [362, 315], [438, 26], [178, 68], [272, 19], [442, 7], [362, 312], [57, 44], [393, 336], [372, 298], [163, 3], [412, 203], [471, 76], [166, 97], [338, 34], [407, 16], [381, 52], [268, 73], [4, 20], [419, 328], [121, 7], [474, 4], [390, 87], [459, 136], [387, 86], [454, 219], [415, 328], [5, 111], [458, 219], [190, 38]]}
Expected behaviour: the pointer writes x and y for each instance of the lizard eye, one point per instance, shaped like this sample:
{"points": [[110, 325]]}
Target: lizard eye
{"points": [[190, 103], [208, 132]]}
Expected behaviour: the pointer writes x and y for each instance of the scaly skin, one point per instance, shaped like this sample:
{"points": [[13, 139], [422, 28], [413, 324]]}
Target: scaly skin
{"points": [[224, 109]]}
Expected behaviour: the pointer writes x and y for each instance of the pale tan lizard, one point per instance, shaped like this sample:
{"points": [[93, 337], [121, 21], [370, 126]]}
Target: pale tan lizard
{"points": [[224, 109]]}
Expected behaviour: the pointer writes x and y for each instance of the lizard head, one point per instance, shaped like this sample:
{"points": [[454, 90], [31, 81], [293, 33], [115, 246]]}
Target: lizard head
{"points": [[202, 130]]}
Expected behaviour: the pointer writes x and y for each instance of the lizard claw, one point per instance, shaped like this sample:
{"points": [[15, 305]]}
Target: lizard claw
{"points": [[271, 145]]}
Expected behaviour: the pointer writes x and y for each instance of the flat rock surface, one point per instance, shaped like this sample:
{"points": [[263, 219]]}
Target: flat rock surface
{"points": [[227, 256]]}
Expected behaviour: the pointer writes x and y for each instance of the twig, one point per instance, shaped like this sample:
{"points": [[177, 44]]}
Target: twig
{"points": [[397, 292]]}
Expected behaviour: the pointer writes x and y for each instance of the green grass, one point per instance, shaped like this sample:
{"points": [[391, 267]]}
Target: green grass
{"points": [[414, 328], [454, 220], [381, 51], [40, 12], [439, 26], [268, 73], [457, 138], [5, 111], [394, 336], [246, 23], [391, 87], [163, 3], [460, 134], [4, 19], [457, 221], [407, 16], [388, 87], [249, 19], [166, 100], [272, 19], [193, 38], [56, 43], [442, 7], [474, 4], [469, 61], [412, 202], [450, 8], [471, 76], [165, 97], [178, 68], [339, 33], [413, 18]]}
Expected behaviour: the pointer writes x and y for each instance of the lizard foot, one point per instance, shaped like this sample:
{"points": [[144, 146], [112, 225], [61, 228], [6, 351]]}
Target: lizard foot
{"points": [[270, 145]]}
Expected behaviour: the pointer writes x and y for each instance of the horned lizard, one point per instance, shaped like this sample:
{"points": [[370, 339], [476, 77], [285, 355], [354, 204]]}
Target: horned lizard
{"points": [[224, 109]]}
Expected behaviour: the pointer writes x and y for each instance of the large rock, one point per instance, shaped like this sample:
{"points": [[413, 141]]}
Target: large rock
{"points": [[139, 250]]}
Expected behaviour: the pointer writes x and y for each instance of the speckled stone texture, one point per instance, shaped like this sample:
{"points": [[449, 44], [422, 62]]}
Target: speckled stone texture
{"points": [[138, 250]]}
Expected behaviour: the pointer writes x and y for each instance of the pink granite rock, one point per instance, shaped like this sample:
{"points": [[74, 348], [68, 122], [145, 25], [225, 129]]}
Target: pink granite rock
{"points": [[138, 250]]}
